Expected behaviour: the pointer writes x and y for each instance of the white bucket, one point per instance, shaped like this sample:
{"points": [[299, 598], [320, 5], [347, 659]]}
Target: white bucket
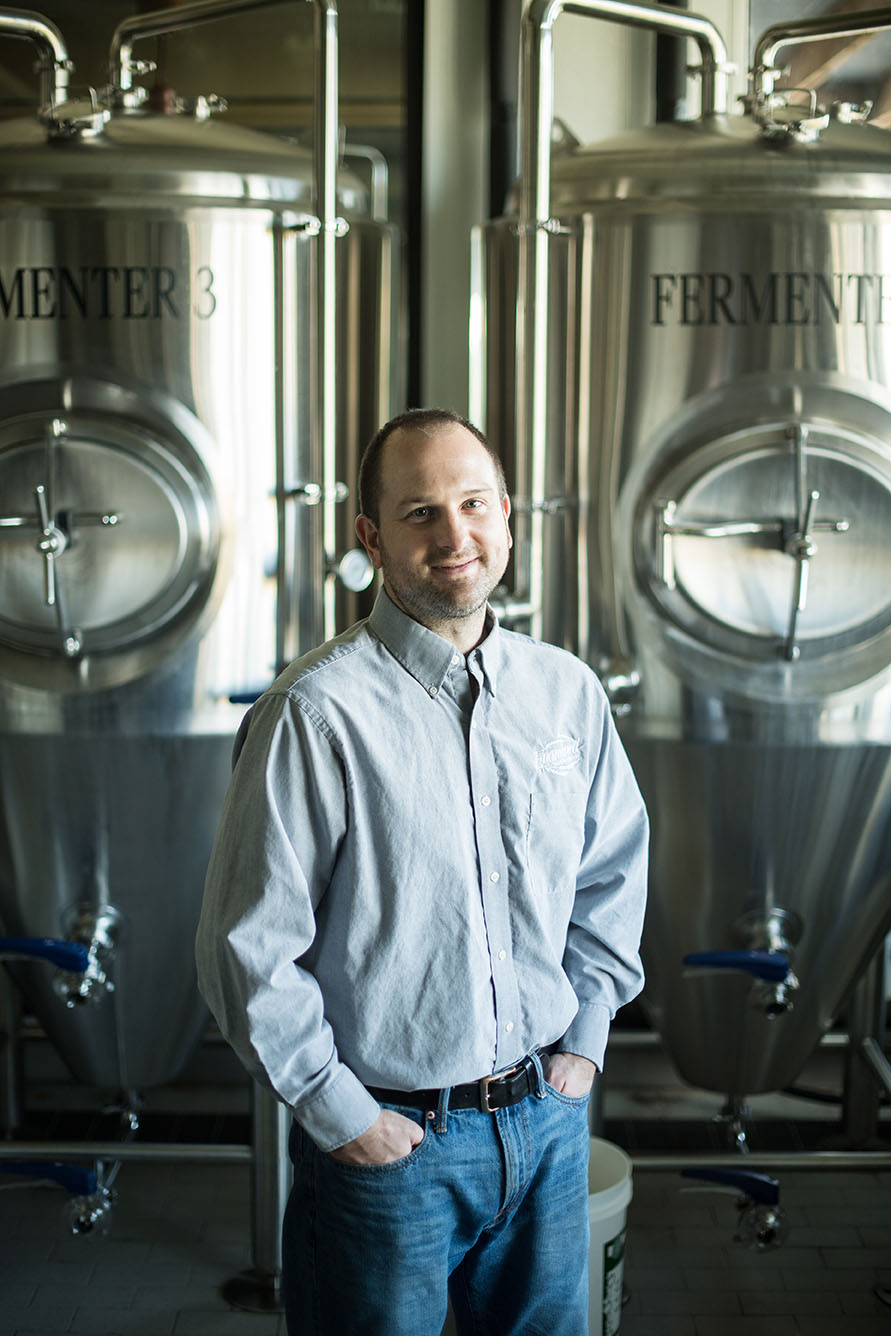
{"points": [[609, 1189]]}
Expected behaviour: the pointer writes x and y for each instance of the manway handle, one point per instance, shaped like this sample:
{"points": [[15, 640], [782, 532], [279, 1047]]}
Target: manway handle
{"points": [[70, 956], [772, 966]]}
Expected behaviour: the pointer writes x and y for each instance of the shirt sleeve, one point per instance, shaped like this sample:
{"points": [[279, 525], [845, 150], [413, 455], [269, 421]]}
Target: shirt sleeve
{"points": [[282, 823], [602, 955]]}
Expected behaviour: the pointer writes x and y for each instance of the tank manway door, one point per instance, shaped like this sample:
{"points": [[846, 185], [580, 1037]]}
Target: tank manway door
{"points": [[771, 544], [106, 541]]}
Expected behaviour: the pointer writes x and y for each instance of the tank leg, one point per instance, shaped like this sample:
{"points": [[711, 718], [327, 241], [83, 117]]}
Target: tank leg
{"points": [[866, 1021], [11, 1084], [258, 1289]]}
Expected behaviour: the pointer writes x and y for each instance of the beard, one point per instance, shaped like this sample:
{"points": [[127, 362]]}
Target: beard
{"points": [[433, 604]]}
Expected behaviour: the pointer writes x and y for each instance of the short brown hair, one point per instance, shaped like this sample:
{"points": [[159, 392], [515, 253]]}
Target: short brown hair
{"points": [[427, 420]]}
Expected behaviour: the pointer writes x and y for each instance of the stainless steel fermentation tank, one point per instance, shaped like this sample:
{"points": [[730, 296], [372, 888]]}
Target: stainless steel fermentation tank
{"points": [[685, 348], [180, 405]]}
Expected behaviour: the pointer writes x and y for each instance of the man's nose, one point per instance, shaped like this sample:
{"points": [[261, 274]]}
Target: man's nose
{"points": [[451, 531]]}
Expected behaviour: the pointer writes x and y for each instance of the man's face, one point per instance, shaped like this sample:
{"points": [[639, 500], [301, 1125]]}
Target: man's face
{"points": [[442, 539]]}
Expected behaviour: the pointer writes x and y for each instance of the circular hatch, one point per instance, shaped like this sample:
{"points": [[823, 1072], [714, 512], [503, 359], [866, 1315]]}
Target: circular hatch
{"points": [[773, 543], [107, 537]]}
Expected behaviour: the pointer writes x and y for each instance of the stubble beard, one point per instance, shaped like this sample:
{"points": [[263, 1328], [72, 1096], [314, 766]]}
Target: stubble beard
{"points": [[431, 606]]}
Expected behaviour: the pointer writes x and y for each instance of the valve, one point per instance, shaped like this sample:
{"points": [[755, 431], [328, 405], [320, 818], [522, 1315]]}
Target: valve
{"points": [[760, 1222], [774, 985], [354, 570], [621, 682], [97, 931], [89, 1206], [70, 956]]}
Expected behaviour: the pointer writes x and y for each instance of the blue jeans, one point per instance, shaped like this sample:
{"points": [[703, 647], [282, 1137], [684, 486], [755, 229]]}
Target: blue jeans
{"points": [[491, 1209]]}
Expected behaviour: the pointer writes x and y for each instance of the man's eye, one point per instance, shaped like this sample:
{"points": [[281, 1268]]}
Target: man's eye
{"points": [[420, 512]]}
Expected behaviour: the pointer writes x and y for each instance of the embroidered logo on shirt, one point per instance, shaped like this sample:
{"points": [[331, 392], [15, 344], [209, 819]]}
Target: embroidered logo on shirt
{"points": [[560, 755]]}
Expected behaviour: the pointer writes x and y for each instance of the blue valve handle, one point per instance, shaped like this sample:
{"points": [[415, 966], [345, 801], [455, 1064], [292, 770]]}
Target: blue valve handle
{"points": [[773, 966], [71, 956], [76, 1179], [760, 1188]]}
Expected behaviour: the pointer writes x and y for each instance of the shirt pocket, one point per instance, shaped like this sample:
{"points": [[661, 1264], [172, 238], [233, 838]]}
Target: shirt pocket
{"points": [[555, 830]]}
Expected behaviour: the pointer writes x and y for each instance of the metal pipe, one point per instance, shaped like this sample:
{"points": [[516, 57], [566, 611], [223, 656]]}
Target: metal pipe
{"points": [[159, 21], [620, 1038], [55, 65], [805, 1159], [380, 178], [535, 225], [199, 1152], [323, 445], [325, 157], [808, 30]]}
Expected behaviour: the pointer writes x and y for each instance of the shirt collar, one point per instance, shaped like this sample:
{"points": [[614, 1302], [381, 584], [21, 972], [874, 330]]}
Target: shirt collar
{"points": [[424, 654]]}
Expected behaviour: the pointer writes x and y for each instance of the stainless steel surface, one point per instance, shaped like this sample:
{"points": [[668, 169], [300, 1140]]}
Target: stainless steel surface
{"points": [[713, 352], [535, 227], [169, 380]]}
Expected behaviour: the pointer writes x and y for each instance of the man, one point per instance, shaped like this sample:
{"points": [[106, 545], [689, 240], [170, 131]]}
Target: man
{"points": [[422, 911]]}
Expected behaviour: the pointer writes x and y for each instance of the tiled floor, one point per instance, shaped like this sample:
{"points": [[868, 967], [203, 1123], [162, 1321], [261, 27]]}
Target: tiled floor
{"points": [[180, 1231], [687, 1277]]}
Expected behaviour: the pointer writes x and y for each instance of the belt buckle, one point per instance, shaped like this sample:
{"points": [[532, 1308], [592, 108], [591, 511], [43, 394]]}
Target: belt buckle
{"points": [[485, 1082]]}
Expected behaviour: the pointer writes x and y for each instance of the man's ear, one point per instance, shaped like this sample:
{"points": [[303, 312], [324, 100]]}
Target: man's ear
{"points": [[505, 506], [366, 532]]}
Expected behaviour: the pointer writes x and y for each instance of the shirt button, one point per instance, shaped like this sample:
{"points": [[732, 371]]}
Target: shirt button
{"points": [[502, 954], [493, 876], [432, 690], [509, 1026], [456, 660], [486, 800]]}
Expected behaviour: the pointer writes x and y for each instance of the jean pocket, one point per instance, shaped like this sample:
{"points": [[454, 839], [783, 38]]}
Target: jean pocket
{"points": [[391, 1166], [574, 1101]]}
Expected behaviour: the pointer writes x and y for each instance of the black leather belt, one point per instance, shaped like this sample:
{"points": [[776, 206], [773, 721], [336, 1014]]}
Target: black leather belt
{"points": [[487, 1095]]}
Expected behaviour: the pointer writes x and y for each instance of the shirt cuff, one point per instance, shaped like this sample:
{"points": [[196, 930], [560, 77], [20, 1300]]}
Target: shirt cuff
{"points": [[588, 1033], [341, 1111]]}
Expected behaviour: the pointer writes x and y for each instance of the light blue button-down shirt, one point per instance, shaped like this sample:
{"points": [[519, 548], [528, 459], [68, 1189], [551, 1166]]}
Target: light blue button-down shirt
{"points": [[426, 865]]}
